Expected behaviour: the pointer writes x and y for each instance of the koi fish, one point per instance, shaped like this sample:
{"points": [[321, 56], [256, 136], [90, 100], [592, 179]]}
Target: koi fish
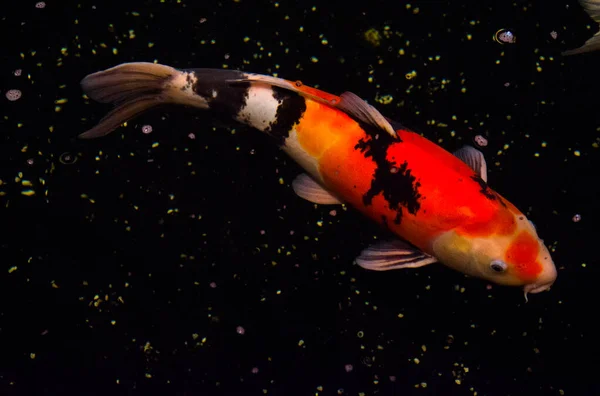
{"points": [[592, 7], [437, 204]]}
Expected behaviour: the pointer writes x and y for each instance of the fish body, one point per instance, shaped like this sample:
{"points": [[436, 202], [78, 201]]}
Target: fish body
{"points": [[438, 204]]}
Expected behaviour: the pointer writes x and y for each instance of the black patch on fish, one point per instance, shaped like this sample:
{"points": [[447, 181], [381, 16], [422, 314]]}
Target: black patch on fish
{"points": [[395, 124], [501, 201], [398, 186], [384, 222], [289, 112], [485, 189], [231, 96]]}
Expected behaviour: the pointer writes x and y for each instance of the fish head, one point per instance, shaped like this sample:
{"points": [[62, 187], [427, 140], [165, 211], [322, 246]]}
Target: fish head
{"points": [[518, 258]]}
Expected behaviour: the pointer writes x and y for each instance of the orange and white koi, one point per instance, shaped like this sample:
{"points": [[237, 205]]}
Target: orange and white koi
{"points": [[438, 205]]}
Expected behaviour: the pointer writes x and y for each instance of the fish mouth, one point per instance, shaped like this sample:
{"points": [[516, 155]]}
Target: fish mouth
{"points": [[543, 282], [534, 288]]}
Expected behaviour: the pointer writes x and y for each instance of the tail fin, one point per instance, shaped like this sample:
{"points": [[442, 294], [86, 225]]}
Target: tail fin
{"points": [[135, 88]]}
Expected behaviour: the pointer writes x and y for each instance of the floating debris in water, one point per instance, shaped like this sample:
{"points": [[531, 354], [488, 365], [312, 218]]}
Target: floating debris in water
{"points": [[13, 95], [373, 37], [67, 158], [480, 141], [505, 36], [146, 129]]}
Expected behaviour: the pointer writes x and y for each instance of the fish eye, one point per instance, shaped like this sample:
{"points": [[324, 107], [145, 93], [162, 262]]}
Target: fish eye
{"points": [[498, 265]]}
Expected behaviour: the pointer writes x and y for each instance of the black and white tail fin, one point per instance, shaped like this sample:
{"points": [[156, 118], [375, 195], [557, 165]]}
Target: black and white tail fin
{"points": [[135, 88]]}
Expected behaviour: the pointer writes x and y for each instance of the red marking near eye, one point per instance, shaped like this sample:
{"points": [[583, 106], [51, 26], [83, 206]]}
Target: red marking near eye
{"points": [[522, 253]]}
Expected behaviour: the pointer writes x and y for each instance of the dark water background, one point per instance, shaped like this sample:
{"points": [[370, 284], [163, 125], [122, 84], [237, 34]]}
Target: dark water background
{"points": [[133, 269]]}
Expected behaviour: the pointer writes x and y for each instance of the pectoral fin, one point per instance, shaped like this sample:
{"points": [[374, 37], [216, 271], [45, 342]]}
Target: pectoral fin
{"points": [[305, 187], [474, 158], [394, 254]]}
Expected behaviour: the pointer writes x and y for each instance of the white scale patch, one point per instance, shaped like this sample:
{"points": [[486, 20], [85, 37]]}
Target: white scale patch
{"points": [[183, 83], [295, 150], [260, 109]]}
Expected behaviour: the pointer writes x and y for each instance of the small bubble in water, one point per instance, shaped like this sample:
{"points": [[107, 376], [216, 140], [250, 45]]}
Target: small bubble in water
{"points": [[13, 94], [192, 136], [67, 158], [348, 368], [393, 378], [262, 232], [481, 141], [254, 370], [213, 285], [30, 161], [577, 218], [18, 72], [40, 4], [505, 36], [240, 330], [333, 213], [202, 20], [226, 56], [146, 129]]}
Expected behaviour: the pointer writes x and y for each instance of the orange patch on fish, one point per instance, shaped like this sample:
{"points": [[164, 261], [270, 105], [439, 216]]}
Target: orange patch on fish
{"points": [[502, 222], [523, 252], [330, 125]]}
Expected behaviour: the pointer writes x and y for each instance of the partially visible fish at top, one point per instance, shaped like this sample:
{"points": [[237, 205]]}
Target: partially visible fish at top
{"points": [[438, 205], [592, 7]]}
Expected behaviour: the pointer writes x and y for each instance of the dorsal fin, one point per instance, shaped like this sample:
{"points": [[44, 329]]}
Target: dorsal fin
{"points": [[348, 102], [359, 109], [474, 158]]}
